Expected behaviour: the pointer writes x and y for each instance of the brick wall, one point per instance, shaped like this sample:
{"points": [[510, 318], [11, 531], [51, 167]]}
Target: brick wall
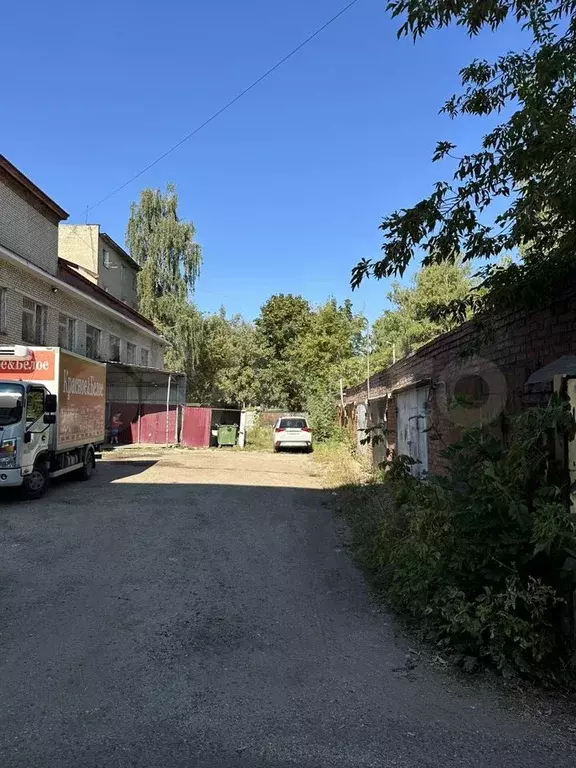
{"points": [[19, 283], [503, 351], [24, 230]]}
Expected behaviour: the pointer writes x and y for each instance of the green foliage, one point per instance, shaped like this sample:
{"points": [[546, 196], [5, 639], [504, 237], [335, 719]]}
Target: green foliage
{"points": [[164, 248], [226, 371], [282, 320], [291, 353], [525, 164], [259, 438], [412, 323], [169, 258], [305, 351], [482, 557], [321, 407]]}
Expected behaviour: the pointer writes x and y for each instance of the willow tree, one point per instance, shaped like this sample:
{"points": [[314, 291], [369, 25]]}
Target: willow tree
{"points": [[169, 259], [164, 247]]}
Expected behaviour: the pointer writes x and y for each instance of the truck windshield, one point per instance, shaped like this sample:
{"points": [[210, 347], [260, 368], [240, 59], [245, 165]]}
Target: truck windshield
{"points": [[11, 399]]}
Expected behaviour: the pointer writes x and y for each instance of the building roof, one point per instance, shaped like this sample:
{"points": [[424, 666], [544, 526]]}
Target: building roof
{"points": [[113, 244], [563, 366], [29, 192], [67, 271]]}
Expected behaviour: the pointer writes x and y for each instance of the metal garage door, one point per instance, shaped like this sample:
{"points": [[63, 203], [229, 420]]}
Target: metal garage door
{"points": [[412, 426]]}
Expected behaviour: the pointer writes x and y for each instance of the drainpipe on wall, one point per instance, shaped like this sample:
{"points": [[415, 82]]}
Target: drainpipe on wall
{"points": [[168, 404]]}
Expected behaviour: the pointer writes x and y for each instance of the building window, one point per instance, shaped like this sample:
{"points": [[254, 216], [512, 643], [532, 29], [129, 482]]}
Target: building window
{"points": [[144, 357], [106, 258], [2, 310], [93, 342], [114, 349], [122, 273], [130, 353], [67, 332], [33, 322]]}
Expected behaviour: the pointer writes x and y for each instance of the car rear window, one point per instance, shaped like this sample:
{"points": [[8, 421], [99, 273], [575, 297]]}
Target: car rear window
{"points": [[293, 423]]}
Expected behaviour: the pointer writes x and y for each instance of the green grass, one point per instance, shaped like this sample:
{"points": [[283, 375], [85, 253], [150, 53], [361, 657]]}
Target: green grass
{"points": [[259, 439], [341, 464]]}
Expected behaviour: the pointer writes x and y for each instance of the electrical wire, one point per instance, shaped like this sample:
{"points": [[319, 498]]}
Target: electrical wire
{"points": [[227, 106]]}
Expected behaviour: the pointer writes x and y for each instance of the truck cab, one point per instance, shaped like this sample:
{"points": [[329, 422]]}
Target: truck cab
{"points": [[27, 415]]}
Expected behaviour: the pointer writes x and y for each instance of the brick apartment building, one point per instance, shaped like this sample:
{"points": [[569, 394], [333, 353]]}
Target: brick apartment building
{"points": [[52, 301]]}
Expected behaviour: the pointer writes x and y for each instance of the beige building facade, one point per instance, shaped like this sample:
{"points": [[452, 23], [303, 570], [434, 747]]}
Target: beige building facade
{"points": [[98, 258]]}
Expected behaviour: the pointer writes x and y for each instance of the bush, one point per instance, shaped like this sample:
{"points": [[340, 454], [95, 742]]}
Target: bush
{"points": [[482, 557], [259, 438], [323, 414]]}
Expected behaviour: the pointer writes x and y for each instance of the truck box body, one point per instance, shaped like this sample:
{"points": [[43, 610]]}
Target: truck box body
{"points": [[80, 386]]}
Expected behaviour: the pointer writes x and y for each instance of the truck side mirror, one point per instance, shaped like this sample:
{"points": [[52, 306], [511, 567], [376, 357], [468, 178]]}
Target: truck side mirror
{"points": [[49, 418], [50, 405], [27, 437]]}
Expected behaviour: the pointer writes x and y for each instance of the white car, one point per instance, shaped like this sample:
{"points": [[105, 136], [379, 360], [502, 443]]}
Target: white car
{"points": [[292, 432]]}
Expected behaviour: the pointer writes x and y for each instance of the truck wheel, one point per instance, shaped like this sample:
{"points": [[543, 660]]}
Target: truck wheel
{"points": [[89, 464], [36, 483]]}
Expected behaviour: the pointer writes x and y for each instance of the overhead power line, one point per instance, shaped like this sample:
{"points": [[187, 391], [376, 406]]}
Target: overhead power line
{"points": [[227, 106]]}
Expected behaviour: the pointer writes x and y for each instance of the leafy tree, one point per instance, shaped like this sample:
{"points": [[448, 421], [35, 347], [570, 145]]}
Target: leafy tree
{"points": [[170, 262], [526, 163], [410, 325], [164, 247], [181, 324], [282, 319], [332, 340]]}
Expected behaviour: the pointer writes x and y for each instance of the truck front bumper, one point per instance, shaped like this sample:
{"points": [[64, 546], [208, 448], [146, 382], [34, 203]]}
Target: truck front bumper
{"points": [[10, 478]]}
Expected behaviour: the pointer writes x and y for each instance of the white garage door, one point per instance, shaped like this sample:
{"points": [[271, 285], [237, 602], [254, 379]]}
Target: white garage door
{"points": [[411, 427]]}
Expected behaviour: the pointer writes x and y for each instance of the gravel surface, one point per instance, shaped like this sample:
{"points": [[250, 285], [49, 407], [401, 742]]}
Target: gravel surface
{"points": [[197, 609]]}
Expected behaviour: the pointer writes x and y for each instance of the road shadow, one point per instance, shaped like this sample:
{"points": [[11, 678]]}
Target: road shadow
{"points": [[112, 470], [175, 624]]}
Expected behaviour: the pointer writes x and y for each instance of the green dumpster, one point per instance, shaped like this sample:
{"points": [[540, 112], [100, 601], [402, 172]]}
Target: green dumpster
{"points": [[227, 434]]}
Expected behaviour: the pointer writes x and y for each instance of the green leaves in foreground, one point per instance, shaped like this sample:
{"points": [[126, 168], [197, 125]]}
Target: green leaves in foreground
{"points": [[482, 557], [525, 167]]}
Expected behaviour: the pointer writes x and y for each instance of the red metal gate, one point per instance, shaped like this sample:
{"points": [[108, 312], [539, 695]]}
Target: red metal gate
{"points": [[196, 426], [153, 425]]}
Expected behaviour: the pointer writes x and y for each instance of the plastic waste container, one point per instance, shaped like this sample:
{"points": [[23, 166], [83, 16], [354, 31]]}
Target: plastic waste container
{"points": [[227, 434]]}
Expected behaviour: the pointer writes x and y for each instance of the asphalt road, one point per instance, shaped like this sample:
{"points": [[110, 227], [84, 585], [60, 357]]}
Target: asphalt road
{"points": [[199, 610]]}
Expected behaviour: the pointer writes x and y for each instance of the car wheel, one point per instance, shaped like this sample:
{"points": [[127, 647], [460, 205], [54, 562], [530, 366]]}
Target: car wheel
{"points": [[85, 473], [35, 484]]}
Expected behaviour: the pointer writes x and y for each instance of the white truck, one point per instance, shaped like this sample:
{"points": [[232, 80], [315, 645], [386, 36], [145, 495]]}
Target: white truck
{"points": [[52, 416]]}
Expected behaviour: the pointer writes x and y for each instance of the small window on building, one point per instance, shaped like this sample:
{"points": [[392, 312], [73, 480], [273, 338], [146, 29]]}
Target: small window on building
{"points": [[114, 349], [2, 310], [123, 273], [67, 332], [145, 357], [106, 258], [93, 342], [130, 353], [33, 322]]}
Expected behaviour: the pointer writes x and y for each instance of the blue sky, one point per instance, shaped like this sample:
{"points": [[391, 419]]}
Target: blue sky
{"points": [[288, 187]]}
